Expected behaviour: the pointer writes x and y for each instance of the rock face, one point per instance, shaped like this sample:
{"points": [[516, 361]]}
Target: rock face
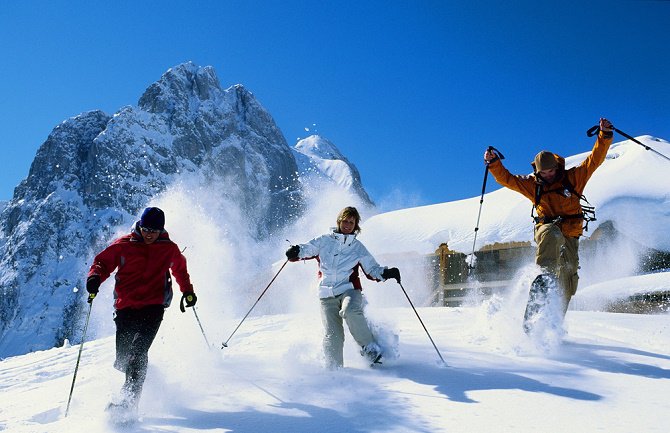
{"points": [[95, 173], [185, 123]]}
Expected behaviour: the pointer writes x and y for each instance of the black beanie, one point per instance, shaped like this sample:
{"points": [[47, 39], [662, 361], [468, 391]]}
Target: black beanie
{"points": [[153, 218]]}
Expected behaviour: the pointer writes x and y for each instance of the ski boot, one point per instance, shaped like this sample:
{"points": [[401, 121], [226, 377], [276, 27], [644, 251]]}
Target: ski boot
{"points": [[372, 352]]}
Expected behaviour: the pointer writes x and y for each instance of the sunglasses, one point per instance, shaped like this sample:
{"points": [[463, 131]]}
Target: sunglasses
{"points": [[148, 230]]}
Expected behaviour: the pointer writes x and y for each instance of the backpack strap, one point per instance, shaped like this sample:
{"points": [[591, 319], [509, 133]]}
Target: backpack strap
{"points": [[588, 213]]}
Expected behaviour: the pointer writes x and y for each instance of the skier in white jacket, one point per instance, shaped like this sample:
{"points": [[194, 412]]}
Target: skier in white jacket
{"points": [[340, 255]]}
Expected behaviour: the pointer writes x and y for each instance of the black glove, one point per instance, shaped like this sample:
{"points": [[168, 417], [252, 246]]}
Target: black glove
{"points": [[93, 284], [189, 299], [292, 253], [391, 273], [92, 287]]}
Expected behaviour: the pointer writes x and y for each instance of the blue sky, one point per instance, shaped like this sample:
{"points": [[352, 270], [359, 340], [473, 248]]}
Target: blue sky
{"points": [[411, 91]]}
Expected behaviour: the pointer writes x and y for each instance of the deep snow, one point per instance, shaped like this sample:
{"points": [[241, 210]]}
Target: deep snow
{"points": [[611, 373]]}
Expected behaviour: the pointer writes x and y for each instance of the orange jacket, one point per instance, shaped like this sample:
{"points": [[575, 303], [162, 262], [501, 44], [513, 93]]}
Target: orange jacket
{"points": [[554, 204]]}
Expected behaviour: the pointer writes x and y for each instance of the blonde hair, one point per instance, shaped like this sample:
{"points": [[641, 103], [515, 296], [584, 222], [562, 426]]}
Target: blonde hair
{"points": [[347, 212]]}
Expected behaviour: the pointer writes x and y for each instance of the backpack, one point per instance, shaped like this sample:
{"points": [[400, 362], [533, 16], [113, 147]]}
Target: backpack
{"points": [[588, 213]]}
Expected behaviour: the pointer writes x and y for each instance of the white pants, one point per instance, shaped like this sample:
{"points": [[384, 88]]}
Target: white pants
{"points": [[347, 306]]}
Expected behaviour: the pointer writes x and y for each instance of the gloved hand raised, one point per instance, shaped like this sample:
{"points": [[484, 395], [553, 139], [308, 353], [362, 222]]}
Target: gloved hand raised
{"points": [[606, 126], [293, 252], [391, 273], [189, 298]]}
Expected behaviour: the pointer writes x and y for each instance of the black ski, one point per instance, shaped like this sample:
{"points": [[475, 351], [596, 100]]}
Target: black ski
{"points": [[377, 361], [537, 299]]}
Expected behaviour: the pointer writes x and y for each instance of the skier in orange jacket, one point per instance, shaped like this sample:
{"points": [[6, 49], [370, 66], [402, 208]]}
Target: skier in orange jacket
{"points": [[556, 194]]}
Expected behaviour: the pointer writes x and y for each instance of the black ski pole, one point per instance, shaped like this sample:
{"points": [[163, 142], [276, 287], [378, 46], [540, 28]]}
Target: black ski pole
{"points": [[81, 347], [596, 129], [481, 201], [421, 321], [225, 344]]}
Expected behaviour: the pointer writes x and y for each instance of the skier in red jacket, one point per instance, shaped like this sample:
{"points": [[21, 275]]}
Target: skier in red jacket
{"points": [[143, 290]]}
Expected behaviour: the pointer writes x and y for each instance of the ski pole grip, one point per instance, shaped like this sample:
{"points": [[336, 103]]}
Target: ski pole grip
{"points": [[593, 131], [496, 151]]}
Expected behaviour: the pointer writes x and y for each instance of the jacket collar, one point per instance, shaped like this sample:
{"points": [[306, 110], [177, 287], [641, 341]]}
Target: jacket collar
{"points": [[341, 237]]}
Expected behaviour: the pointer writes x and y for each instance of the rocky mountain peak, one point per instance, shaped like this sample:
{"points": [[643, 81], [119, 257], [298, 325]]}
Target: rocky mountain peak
{"points": [[181, 88]]}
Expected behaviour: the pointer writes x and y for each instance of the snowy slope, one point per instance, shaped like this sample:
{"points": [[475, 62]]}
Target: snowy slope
{"points": [[610, 374], [597, 296]]}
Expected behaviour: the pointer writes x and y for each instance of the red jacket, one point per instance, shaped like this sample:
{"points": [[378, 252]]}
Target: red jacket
{"points": [[143, 275]]}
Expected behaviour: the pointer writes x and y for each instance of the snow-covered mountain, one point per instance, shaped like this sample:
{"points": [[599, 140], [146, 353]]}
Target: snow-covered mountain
{"points": [[95, 172], [319, 159]]}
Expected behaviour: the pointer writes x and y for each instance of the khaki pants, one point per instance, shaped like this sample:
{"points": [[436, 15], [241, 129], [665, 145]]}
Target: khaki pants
{"points": [[558, 255], [347, 306]]}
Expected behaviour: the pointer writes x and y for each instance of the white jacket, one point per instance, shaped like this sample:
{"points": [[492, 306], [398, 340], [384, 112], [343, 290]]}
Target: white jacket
{"points": [[339, 258]]}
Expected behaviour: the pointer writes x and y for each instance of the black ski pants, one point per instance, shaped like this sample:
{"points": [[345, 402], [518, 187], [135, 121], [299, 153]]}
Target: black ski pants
{"points": [[135, 332]]}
